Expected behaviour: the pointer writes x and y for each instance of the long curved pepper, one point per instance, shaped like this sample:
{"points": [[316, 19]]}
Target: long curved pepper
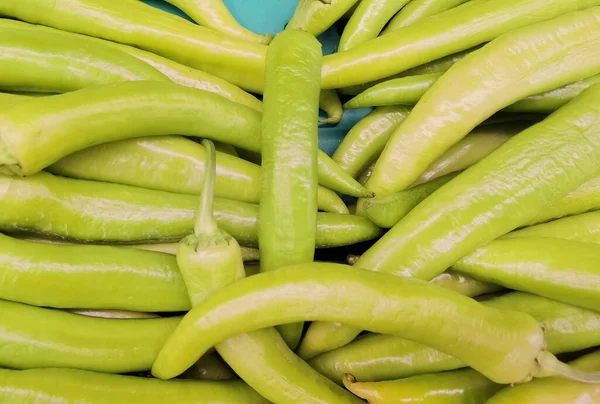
{"points": [[419, 9], [452, 31], [548, 55], [214, 14], [505, 346], [143, 26], [209, 258]]}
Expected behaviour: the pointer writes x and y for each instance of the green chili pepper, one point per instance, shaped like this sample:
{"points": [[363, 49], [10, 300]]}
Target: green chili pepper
{"points": [[366, 140], [583, 199], [401, 91], [178, 73], [214, 14], [377, 357], [584, 227], [554, 390], [315, 16], [503, 191], [460, 28], [329, 101], [472, 148], [264, 361], [509, 344], [71, 385], [90, 277], [367, 21], [140, 25], [440, 65], [387, 211], [288, 203], [209, 258], [56, 63], [417, 10], [421, 139], [248, 253], [35, 337], [159, 108], [172, 164], [409, 90], [563, 270], [322, 336], [94, 211], [463, 386]]}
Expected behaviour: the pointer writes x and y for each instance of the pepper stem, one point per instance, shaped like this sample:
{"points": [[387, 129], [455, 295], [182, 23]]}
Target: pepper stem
{"points": [[205, 222], [550, 366]]}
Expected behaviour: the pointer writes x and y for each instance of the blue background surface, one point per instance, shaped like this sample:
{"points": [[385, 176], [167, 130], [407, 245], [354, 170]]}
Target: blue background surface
{"points": [[271, 16]]}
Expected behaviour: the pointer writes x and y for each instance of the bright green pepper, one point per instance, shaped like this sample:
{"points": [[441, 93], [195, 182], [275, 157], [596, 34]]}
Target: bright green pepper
{"points": [[71, 386], [376, 357], [315, 16], [289, 143], [584, 227], [90, 277], [56, 63], [178, 73], [505, 346], [214, 14], [417, 10], [490, 80], [95, 211], [554, 390], [460, 28], [172, 164], [366, 140], [367, 21], [35, 337], [465, 386], [563, 270], [140, 25], [209, 258]]}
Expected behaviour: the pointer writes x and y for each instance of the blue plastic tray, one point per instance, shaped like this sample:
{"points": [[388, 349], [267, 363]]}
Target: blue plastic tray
{"points": [[271, 16]]}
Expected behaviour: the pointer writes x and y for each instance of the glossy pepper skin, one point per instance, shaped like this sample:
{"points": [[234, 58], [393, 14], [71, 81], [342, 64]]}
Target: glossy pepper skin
{"points": [[523, 62], [133, 109], [173, 164], [452, 31], [56, 63], [209, 260], [289, 144], [140, 25], [214, 14], [176, 72], [465, 386], [71, 385], [438, 233], [90, 277], [554, 390], [417, 10], [36, 337], [368, 300], [583, 227], [563, 270], [104, 212], [364, 142], [367, 21], [114, 112], [377, 357], [315, 16], [500, 193]]}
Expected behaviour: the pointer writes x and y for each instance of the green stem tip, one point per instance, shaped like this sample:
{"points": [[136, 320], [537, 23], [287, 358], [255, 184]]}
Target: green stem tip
{"points": [[205, 222]]}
